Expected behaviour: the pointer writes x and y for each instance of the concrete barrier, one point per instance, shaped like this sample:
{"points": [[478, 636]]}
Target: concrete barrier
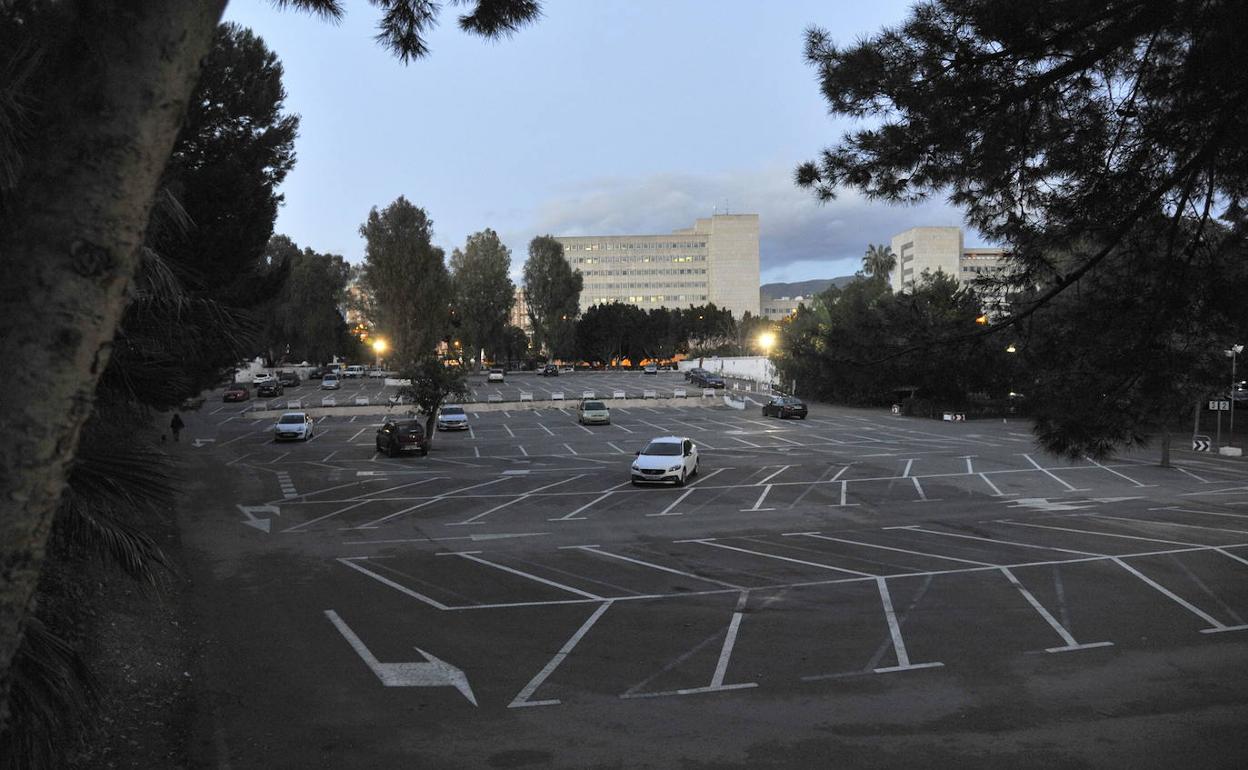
{"points": [[526, 396], [649, 394], [329, 401], [494, 398], [678, 393], [345, 410], [587, 394], [295, 404], [557, 395], [708, 392], [361, 400], [617, 394]]}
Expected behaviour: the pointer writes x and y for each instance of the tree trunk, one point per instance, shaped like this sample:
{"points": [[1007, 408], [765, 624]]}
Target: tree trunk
{"points": [[1165, 448], [431, 428], [112, 94]]}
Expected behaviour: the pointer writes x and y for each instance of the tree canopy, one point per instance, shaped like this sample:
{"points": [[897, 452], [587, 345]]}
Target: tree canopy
{"points": [[483, 291], [1084, 137], [553, 291]]}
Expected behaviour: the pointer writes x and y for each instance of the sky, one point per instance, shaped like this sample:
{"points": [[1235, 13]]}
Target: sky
{"points": [[606, 117]]}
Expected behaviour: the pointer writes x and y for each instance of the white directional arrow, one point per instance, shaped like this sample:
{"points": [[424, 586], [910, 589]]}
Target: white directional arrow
{"points": [[432, 673], [197, 443], [252, 520]]}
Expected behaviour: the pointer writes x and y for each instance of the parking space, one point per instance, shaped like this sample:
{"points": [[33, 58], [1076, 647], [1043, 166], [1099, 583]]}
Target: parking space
{"points": [[803, 557]]}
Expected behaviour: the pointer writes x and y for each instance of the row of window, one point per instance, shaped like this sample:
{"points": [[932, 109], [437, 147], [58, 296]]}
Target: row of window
{"points": [[652, 271], [641, 259], [644, 245], [634, 300], [648, 285]]}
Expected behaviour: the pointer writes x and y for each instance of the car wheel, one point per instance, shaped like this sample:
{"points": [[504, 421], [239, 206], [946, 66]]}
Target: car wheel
{"points": [[424, 452], [392, 451], [680, 482], [635, 483]]}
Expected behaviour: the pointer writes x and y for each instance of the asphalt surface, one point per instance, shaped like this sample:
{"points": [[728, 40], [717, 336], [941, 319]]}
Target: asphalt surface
{"points": [[852, 590]]}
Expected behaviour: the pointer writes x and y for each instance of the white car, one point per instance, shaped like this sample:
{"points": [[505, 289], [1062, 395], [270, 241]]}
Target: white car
{"points": [[452, 417], [666, 458], [353, 371], [330, 382], [495, 375], [262, 378], [293, 426], [651, 369]]}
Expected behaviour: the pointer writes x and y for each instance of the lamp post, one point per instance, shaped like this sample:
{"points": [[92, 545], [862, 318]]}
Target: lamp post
{"points": [[379, 349], [767, 341], [1233, 352]]}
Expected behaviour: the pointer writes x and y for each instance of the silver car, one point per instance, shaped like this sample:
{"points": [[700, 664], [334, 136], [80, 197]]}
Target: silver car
{"points": [[330, 382], [593, 413], [452, 417], [293, 426]]}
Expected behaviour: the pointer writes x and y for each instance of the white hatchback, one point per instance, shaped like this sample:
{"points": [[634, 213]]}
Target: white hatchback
{"points": [[293, 426], [667, 458], [452, 417], [330, 382], [495, 375]]}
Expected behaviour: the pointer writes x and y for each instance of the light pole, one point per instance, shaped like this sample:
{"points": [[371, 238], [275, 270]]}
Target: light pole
{"points": [[379, 349], [767, 341], [1233, 352]]}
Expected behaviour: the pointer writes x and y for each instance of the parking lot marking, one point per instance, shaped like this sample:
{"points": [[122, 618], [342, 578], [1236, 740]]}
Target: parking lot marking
{"points": [[1071, 643], [759, 501], [666, 511], [919, 528], [1228, 554], [616, 448], [522, 450], [471, 556], [441, 496], [919, 489], [660, 567], [819, 536], [1166, 523], [995, 491], [1193, 475], [621, 427], [357, 434], [1116, 473], [894, 630], [747, 443], [783, 468], [510, 432], [1203, 513], [906, 473], [569, 448], [522, 699], [1093, 532], [710, 475], [350, 561], [765, 555], [1052, 475], [549, 432], [1216, 625], [530, 493], [572, 516]]}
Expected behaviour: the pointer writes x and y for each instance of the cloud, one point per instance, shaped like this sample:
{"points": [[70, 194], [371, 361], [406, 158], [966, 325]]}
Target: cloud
{"points": [[799, 238]]}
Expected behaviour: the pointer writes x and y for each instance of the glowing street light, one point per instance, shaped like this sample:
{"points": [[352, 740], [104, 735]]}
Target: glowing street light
{"points": [[379, 346], [1011, 348], [767, 341]]}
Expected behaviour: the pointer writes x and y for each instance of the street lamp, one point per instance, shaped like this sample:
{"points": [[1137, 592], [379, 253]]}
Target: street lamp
{"points": [[379, 348], [767, 341], [1233, 352]]}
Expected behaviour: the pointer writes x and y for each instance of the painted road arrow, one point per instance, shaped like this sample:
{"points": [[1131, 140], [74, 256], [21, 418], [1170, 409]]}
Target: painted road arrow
{"points": [[197, 443], [432, 673], [252, 520]]}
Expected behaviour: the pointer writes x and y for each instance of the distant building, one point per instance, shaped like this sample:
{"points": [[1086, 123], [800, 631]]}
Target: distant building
{"points": [[716, 261], [931, 249], [520, 313], [779, 308]]}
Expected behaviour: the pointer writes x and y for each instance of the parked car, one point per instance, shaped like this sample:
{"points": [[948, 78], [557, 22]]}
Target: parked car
{"points": [[549, 370], [262, 377], [667, 458], [289, 379], [712, 381], [404, 435], [330, 382], [593, 413], [495, 375], [376, 372], [270, 389], [452, 417], [784, 407], [236, 392], [316, 373], [353, 371], [650, 369], [690, 374], [192, 403], [293, 426]]}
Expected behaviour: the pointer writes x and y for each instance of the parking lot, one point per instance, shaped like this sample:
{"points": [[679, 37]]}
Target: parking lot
{"points": [[854, 582]]}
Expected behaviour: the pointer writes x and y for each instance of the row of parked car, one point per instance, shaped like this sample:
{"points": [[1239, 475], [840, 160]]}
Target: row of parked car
{"points": [[270, 385], [703, 378]]}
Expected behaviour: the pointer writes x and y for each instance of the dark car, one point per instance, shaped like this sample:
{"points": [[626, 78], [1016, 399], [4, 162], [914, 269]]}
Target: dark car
{"points": [[236, 392], [316, 373], [549, 370], [694, 373], [711, 381], [397, 436], [270, 389], [785, 407], [289, 379]]}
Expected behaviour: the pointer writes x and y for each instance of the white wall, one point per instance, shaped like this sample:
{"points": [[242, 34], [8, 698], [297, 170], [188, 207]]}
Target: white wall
{"points": [[756, 368]]}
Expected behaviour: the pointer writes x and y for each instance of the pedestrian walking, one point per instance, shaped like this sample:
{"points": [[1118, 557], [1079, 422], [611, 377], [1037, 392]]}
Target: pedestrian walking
{"points": [[176, 425]]}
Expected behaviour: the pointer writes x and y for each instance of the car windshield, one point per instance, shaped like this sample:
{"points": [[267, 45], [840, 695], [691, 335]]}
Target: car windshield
{"points": [[448, 410], [409, 425], [663, 448], [291, 419], [331, 377], [595, 406]]}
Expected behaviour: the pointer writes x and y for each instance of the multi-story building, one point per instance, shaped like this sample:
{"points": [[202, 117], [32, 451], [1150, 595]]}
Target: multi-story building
{"points": [[779, 308], [932, 249], [716, 261], [520, 313]]}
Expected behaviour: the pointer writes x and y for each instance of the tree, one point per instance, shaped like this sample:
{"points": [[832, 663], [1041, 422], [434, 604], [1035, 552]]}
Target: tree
{"points": [[1067, 132], [605, 332], [431, 383], [483, 291], [303, 322], [553, 291], [406, 276], [79, 168], [513, 345], [879, 261]]}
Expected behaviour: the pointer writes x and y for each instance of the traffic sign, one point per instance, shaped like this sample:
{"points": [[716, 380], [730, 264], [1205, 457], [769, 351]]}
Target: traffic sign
{"points": [[1219, 406], [1200, 443]]}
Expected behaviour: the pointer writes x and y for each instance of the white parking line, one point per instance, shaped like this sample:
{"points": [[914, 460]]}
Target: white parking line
{"points": [[616, 448], [894, 630], [818, 536], [596, 550], [765, 555], [572, 516], [666, 511], [522, 699], [471, 556]]}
